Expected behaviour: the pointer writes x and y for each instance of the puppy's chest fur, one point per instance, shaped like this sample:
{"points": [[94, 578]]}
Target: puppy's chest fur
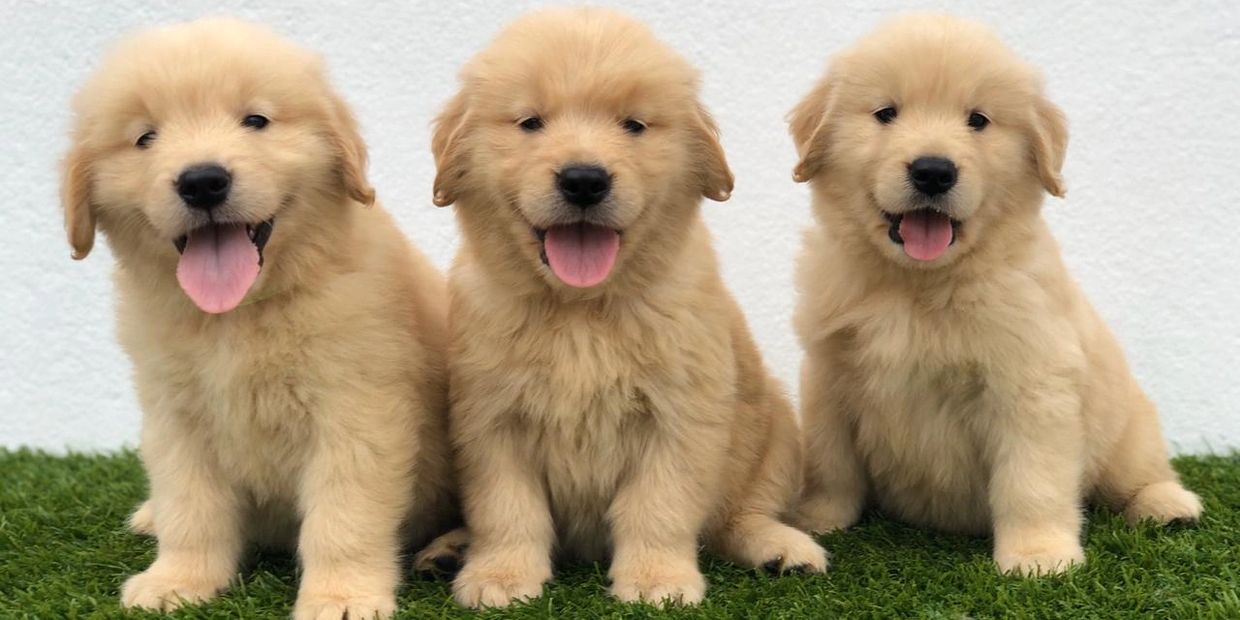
{"points": [[923, 401], [245, 391], [584, 389]]}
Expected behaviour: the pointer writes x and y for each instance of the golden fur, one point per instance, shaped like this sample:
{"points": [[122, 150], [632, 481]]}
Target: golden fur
{"points": [[314, 414], [978, 392], [631, 419]]}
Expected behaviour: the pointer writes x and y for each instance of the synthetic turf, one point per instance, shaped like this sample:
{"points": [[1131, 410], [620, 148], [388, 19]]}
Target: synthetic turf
{"points": [[64, 552]]}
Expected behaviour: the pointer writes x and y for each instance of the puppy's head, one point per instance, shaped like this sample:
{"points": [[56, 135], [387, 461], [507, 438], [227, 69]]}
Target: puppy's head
{"points": [[576, 147], [210, 149], [927, 136]]}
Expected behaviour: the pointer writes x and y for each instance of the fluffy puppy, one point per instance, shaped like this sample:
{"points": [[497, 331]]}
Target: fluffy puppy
{"points": [[287, 341], [955, 375], [607, 399]]}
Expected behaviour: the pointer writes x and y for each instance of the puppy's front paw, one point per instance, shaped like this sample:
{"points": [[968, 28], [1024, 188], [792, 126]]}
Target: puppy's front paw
{"points": [[819, 515], [327, 607], [1163, 503], [163, 589], [659, 581], [1040, 558], [498, 580]]}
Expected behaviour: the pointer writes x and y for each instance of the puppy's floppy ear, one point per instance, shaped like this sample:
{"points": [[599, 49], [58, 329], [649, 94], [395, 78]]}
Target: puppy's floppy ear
{"points": [[716, 176], [76, 199], [449, 152], [1049, 138], [807, 124], [350, 150]]}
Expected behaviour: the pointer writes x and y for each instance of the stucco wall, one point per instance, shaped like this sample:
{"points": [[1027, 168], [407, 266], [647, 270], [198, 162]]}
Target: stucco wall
{"points": [[1149, 227]]}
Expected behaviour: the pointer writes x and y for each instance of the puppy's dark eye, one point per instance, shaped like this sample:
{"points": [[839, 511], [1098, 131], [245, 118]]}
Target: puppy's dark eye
{"points": [[978, 121], [255, 121], [145, 140], [633, 126], [885, 115], [531, 124]]}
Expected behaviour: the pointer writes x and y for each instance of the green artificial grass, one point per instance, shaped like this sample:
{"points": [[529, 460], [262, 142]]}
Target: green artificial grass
{"points": [[64, 552]]}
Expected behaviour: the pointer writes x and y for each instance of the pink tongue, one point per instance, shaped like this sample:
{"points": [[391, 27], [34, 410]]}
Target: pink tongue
{"points": [[926, 234], [581, 255], [218, 267]]}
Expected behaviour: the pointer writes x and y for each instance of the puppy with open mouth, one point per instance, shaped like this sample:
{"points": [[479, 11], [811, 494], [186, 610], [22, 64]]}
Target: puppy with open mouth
{"points": [[287, 341], [607, 399], [955, 376]]}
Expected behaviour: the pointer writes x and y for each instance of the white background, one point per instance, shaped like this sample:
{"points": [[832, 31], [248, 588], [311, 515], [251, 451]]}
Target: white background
{"points": [[1151, 225]]}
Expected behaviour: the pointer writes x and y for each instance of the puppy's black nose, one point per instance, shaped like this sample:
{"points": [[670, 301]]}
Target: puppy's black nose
{"points": [[584, 186], [932, 175], [204, 186]]}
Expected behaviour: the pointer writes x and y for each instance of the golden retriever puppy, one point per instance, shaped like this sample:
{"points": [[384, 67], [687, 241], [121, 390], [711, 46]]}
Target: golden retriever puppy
{"points": [[955, 375], [606, 396], [287, 341]]}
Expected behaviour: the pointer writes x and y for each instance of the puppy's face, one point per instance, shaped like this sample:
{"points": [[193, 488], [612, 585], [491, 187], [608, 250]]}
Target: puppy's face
{"points": [[581, 138], [928, 132], [207, 146]]}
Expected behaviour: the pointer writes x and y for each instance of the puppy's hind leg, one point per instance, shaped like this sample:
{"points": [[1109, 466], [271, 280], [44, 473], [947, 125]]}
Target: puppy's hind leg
{"points": [[753, 534], [1138, 480], [835, 485], [142, 521], [445, 554], [761, 541]]}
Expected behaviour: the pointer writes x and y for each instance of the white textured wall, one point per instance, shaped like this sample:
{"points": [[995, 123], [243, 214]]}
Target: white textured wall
{"points": [[1151, 225]]}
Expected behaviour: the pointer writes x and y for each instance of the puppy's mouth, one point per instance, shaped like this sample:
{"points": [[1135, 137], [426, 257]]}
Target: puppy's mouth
{"points": [[925, 234], [580, 254], [220, 262]]}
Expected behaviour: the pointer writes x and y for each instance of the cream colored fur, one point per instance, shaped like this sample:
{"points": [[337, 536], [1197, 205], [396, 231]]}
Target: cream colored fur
{"points": [[980, 392], [632, 420], [314, 415]]}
